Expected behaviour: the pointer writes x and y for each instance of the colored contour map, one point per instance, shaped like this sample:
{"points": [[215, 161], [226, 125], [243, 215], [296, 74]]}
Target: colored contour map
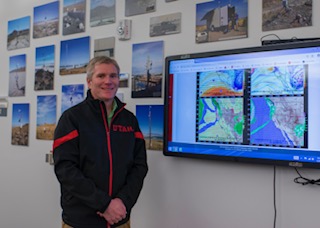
{"points": [[220, 120], [221, 83], [277, 121], [285, 80]]}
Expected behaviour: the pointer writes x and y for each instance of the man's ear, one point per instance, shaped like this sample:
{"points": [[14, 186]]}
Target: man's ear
{"points": [[89, 82]]}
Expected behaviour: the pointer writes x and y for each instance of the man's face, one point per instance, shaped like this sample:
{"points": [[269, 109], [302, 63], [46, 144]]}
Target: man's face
{"points": [[104, 82]]}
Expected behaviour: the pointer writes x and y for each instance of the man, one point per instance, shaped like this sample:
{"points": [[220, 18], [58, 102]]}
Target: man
{"points": [[99, 154]]}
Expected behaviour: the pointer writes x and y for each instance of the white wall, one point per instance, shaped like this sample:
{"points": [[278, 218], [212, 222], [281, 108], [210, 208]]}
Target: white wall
{"points": [[178, 193]]}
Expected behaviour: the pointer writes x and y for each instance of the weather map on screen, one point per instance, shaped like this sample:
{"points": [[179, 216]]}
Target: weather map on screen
{"points": [[278, 121], [220, 120], [278, 80], [273, 99], [221, 83], [251, 104]]}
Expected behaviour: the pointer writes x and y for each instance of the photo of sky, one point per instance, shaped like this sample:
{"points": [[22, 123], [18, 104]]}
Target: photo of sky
{"points": [[45, 57], [46, 109], [156, 111], [46, 12], [19, 24], [75, 51], [141, 51], [20, 115], [71, 95]]}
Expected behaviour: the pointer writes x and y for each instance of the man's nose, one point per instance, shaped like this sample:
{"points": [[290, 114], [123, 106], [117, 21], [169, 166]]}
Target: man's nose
{"points": [[107, 79]]}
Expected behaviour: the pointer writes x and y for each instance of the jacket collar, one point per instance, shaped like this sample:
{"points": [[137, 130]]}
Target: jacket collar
{"points": [[96, 102]]}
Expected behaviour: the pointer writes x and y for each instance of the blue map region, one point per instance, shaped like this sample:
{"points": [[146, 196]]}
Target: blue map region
{"points": [[284, 80], [278, 121], [269, 134]]}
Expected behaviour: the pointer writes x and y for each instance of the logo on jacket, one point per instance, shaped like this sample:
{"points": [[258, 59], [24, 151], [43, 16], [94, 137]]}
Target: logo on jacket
{"points": [[122, 128]]}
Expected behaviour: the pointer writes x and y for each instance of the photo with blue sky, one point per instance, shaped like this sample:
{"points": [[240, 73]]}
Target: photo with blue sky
{"points": [[46, 12], [19, 24], [17, 62], [46, 109], [18, 33], [20, 114], [140, 54], [150, 118], [45, 58], [71, 95], [75, 53], [46, 20], [72, 2]]}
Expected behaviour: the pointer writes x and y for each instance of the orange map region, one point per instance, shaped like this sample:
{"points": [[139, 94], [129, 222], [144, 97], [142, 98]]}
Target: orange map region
{"points": [[220, 91]]}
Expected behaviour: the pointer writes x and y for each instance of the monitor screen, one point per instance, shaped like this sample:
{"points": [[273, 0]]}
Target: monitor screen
{"points": [[258, 104]]}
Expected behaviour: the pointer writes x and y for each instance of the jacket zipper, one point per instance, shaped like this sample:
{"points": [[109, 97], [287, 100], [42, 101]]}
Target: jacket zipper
{"points": [[106, 126]]}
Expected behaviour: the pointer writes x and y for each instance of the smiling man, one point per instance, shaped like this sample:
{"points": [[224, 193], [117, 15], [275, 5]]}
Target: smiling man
{"points": [[99, 154]]}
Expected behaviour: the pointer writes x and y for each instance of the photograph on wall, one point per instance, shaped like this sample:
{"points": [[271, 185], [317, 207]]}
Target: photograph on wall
{"points": [[74, 55], [286, 14], [18, 33], [46, 116], [102, 12], [135, 7], [46, 20], [221, 20], [120, 96], [44, 69], [104, 47], [147, 73], [74, 16], [150, 118], [124, 80], [3, 106], [71, 95], [165, 24], [20, 124], [17, 75]]}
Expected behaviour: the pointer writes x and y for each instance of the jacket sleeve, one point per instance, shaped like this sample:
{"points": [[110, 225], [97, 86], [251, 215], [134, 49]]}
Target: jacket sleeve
{"points": [[130, 192], [66, 154]]}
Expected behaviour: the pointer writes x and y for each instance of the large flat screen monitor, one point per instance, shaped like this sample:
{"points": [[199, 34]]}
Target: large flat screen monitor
{"points": [[258, 104]]}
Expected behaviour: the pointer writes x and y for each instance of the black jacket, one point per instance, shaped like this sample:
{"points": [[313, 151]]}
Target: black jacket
{"points": [[95, 163]]}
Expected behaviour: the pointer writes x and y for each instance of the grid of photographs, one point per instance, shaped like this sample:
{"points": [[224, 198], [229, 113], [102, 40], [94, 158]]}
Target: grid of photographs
{"points": [[215, 21]]}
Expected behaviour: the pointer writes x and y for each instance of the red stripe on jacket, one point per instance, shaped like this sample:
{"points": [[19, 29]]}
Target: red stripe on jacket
{"points": [[138, 135], [66, 138]]}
